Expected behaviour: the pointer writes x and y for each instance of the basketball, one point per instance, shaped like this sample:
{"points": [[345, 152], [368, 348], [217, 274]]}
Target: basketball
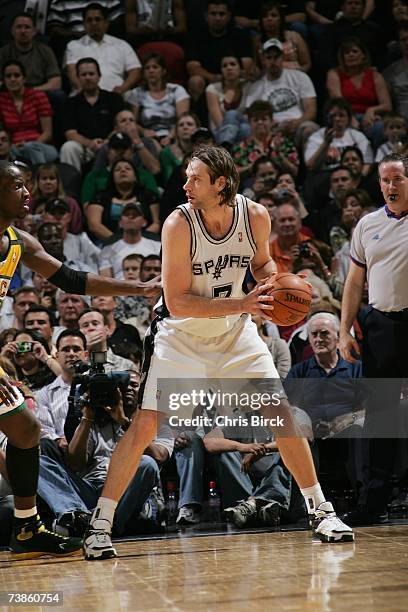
{"points": [[292, 299]]}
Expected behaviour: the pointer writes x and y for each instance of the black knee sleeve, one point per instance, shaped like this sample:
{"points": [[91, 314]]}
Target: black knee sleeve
{"points": [[23, 466]]}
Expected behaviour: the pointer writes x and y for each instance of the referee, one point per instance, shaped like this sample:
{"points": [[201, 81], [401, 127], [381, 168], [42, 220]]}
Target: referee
{"points": [[379, 253]]}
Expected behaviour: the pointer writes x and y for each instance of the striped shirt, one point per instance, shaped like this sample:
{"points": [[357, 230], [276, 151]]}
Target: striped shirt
{"points": [[24, 125], [68, 13]]}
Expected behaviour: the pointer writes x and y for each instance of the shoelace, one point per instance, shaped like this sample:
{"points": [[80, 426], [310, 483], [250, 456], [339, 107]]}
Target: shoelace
{"points": [[246, 508], [42, 529]]}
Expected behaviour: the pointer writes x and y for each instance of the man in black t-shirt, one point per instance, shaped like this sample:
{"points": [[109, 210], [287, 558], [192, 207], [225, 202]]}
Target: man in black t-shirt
{"points": [[206, 49], [89, 116]]}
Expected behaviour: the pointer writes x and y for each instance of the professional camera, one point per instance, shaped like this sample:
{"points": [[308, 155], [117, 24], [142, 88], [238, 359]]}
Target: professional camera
{"points": [[97, 386]]}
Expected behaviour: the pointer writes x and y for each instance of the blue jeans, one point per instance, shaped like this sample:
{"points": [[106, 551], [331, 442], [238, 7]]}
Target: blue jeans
{"points": [[234, 128], [190, 466], [268, 479], [35, 152], [65, 491]]}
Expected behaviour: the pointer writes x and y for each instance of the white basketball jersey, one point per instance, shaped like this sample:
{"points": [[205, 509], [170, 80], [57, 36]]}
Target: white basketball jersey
{"points": [[218, 267]]}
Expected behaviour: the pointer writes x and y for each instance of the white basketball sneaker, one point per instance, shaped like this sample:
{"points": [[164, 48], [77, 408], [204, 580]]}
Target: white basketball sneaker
{"points": [[98, 545], [328, 527]]}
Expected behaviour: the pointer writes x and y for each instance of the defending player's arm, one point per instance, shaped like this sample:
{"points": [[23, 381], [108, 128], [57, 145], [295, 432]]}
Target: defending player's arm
{"points": [[176, 275], [81, 283], [352, 294], [262, 265]]}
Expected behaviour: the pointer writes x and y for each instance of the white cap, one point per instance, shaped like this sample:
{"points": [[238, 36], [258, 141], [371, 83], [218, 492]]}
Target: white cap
{"points": [[272, 43]]}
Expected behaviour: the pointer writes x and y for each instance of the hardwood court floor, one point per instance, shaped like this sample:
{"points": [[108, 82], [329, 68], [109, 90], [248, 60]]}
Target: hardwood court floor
{"points": [[250, 572]]}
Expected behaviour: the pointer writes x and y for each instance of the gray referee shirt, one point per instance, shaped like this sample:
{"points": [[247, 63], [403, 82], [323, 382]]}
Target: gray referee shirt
{"points": [[380, 244]]}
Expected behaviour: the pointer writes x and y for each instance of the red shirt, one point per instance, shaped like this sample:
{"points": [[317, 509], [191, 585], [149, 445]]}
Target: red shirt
{"points": [[24, 125], [361, 97]]}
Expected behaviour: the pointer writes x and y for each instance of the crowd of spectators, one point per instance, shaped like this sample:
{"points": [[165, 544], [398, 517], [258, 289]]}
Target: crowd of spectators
{"points": [[101, 105]]}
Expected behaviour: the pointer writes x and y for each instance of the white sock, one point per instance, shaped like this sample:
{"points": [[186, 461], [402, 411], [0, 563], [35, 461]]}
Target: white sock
{"points": [[313, 497], [22, 514], [102, 517]]}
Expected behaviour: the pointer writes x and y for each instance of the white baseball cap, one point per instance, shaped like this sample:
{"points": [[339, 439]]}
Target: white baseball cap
{"points": [[272, 43]]}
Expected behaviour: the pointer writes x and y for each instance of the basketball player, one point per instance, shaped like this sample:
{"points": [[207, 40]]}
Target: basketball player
{"points": [[205, 330], [30, 538]]}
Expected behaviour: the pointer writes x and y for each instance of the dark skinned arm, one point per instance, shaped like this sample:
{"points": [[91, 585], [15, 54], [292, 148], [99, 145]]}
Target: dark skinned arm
{"points": [[37, 259]]}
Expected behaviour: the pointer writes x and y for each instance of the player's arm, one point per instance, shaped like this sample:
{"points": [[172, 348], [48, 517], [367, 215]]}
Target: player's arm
{"points": [[352, 294], [177, 273], [262, 264], [81, 283]]}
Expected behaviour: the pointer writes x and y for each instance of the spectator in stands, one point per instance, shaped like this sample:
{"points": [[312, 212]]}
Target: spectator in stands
{"points": [[262, 178], [118, 147], [266, 139], [65, 20], [40, 319], [255, 483], [320, 13], [5, 147], [89, 117], [40, 64], [396, 74], [146, 21], [352, 205], [76, 246], [272, 24], [334, 404], [127, 307], [144, 151], [226, 103], [123, 339], [287, 224], [324, 147], [206, 48], [131, 223], [286, 185], [362, 86], [95, 435], [103, 213], [46, 290], [174, 193], [326, 207], [34, 364], [26, 113], [290, 92], [48, 185], [94, 325], [50, 236], [52, 400], [157, 103], [120, 65], [352, 158], [399, 15], [395, 132], [353, 22], [171, 156], [21, 301], [150, 268], [69, 307]]}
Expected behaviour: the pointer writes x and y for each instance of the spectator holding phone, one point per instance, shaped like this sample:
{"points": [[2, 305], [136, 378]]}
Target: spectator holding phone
{"points": [[30, 354]]}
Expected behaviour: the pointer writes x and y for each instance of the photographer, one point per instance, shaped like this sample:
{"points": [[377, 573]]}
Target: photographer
{"points": [[30, 354], [287, 225], [72, 491], [262, 179]]}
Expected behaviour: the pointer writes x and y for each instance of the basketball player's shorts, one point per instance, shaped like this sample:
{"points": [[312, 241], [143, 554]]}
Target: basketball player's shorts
{"points": [[17, 406], [173, 354]]}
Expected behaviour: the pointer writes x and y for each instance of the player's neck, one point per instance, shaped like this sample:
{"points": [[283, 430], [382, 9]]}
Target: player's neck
{"points": [[218, 218]]}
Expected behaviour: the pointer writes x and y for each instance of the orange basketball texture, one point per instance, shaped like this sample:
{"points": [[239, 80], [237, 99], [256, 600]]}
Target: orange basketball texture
{"points": [[292, 299]]}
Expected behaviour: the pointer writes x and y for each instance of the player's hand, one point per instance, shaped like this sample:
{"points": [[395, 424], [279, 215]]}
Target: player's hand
{"points": [[150, 289], [349, 349], [257, 301], [8, 394]]}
